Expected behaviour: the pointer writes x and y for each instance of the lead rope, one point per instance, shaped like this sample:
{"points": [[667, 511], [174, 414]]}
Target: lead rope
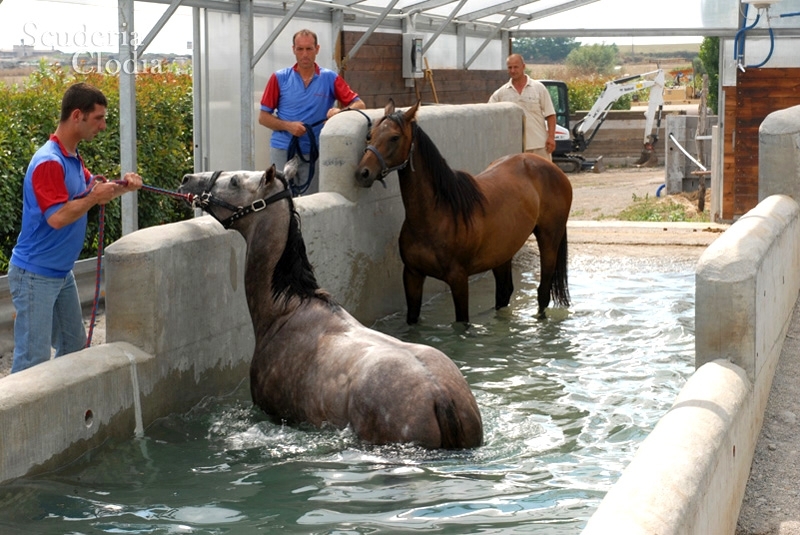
{"points": [[313, 155], [100, 237]]}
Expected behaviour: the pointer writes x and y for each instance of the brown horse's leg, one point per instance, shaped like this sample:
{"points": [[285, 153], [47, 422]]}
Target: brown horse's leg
{"points": [[413, 283], [459, 286], [548, 255], [503, 285]]}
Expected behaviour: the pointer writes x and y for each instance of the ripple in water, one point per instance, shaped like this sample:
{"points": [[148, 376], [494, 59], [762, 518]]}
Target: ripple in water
{"points": [[565, 402]]}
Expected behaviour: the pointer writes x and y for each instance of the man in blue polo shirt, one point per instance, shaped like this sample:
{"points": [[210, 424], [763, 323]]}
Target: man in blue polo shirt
{"points": [[57, 193], [299, 96]]}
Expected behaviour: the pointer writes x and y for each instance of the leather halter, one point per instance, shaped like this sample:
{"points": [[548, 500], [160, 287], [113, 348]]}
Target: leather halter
{"points": [[205, 199], [385, 170]]}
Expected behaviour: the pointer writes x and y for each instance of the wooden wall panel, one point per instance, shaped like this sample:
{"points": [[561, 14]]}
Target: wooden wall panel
{"points": [[375, 73], [758, 93]]}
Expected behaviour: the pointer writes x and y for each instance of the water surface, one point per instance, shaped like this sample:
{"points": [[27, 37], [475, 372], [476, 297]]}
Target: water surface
{"points": [[565, 403]]}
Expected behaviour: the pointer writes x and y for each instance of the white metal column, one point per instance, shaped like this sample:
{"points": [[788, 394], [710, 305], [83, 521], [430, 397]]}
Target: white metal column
{"points": [[127, 113]]}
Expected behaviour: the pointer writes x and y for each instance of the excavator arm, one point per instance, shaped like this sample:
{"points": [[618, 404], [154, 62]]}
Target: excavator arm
{"points": [[584, 130]]}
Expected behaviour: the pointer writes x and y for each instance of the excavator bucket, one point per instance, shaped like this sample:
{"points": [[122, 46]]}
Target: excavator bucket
{"points": [[648, 157]]}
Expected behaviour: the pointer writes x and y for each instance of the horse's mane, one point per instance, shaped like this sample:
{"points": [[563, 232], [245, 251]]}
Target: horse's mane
{"points": [[454, 189], [294, 275]]}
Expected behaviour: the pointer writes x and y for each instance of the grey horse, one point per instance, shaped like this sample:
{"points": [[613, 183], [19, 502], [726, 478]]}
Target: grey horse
{"points": [[314, 362]]}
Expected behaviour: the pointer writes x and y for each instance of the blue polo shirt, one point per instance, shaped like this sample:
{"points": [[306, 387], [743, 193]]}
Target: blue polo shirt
{"points": [[286, 93], [53, 178]]}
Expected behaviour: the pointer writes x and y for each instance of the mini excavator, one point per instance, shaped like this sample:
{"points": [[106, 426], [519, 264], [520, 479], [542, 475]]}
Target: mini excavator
{"points": [[567, 154]]}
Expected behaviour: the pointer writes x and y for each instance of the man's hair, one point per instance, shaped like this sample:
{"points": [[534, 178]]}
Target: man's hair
{"points": [[83, 97], [305, 33]]}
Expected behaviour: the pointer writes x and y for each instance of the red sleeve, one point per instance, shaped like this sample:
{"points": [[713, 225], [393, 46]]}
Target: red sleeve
{"points": [[272, 93], [48, 185], [343, 93]]}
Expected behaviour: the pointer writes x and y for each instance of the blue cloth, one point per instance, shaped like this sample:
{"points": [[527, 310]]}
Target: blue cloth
{"points": [[40, 277], [294, 101], [44, 303], [40, 248]]}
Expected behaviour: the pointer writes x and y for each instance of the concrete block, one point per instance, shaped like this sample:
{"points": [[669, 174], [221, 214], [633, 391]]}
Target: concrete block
{"points": [[56, 411], [779, 154]]}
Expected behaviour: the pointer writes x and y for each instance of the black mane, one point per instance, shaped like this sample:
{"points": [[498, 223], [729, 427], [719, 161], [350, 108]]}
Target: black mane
{"points": [[454, 189], [294, 275]]}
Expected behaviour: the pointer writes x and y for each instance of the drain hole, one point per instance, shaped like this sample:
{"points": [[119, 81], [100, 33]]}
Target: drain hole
{"points": [[88, 418]]}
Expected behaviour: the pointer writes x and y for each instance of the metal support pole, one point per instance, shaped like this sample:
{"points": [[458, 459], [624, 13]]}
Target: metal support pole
{"points": [[127, 113], [246, 77]]}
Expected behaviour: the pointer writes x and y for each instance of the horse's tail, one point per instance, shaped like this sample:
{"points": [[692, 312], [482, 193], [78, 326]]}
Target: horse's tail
{"points": [[459, 429], [559, 289]]}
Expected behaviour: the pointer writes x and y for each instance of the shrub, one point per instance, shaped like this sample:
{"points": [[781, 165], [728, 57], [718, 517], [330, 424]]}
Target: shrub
{"points": [[164, 145], [584, 92]]}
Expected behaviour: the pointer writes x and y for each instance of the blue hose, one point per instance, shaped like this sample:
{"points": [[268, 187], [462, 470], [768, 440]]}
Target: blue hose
{"points": [[660, 188]]}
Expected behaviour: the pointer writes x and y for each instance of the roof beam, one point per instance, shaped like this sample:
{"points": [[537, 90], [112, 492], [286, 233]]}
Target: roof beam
{"points": [[370, 30], [543, 13], [626, 32], [157, 28], [426, 5], [488, 39], [276, 32], [443, 25], [495, 10]]}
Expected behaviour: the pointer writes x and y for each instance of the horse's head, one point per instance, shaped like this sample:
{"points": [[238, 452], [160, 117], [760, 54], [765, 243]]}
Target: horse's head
{"points": [[392, 140], [230, 195]]}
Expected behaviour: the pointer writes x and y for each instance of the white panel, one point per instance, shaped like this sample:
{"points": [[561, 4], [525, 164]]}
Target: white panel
{"points": [[489, 56], [783, 54], [441, 55], [223, 87]]}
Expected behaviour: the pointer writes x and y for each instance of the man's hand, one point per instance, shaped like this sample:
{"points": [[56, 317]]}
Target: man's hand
{"points": [[132, 182]]}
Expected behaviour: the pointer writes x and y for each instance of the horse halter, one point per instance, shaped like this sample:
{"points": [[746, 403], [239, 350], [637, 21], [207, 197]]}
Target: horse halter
{"points": [[385, 170], [205, 199]]}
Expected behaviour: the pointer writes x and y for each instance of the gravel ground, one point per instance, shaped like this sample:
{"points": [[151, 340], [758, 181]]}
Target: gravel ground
{"points": [[771, 503], [772, 499]]}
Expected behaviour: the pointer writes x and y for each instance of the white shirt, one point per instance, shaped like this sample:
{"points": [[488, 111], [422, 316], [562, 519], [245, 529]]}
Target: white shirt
{"points": [[536, 102]]}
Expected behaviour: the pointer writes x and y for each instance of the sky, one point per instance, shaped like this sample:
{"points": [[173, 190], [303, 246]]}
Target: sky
{"points": [[88, 25], [91, 25]]}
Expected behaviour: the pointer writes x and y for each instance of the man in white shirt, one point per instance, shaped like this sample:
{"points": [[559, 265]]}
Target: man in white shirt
{"points": [[532, 96]]}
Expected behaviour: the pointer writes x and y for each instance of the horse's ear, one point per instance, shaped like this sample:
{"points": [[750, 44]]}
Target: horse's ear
{"points": [[389, 109], [412, 112], [269, 174]]}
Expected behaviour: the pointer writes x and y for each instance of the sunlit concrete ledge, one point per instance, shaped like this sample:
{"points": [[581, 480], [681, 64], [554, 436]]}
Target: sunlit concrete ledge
{"points": [[690, 473]]}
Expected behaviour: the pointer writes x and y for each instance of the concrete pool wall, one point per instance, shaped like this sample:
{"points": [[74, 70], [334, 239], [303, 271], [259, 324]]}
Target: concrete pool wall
{"points": [[178, 330], [177, 324], [689, 475]]}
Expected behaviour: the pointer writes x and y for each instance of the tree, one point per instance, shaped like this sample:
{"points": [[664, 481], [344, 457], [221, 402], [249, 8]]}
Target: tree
{"points": [[544, 49], [709, 55], [593, 59]]}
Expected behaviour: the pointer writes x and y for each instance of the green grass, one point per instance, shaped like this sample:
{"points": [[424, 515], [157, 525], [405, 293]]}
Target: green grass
{"points": [[649, 208]]}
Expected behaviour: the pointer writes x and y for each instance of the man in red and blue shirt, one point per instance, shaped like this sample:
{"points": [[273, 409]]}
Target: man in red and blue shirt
{"points": [[57, 193], [302, 96]]}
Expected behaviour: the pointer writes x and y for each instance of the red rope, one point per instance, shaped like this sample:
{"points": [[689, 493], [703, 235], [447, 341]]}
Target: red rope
{"points": [[100, 232]]}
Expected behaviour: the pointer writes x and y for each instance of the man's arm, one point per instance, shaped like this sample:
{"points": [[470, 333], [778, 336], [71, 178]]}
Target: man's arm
{"points": [[550, 143], [354, 105], [101, 193], [269, 120]]}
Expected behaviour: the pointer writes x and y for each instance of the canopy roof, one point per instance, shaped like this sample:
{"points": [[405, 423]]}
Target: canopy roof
{"points": [[531, 18]]}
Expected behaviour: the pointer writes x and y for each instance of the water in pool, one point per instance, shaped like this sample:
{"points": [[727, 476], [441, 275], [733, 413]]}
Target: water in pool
{"points": [[565, 403]]}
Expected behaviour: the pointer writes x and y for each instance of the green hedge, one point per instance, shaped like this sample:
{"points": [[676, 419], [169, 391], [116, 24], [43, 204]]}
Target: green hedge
{"points": [[30, 114], [584, 92]]}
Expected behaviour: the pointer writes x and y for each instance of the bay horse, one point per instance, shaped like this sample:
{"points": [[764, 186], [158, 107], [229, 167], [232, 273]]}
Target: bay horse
{"points": [[313, 362], [457, 225]]}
